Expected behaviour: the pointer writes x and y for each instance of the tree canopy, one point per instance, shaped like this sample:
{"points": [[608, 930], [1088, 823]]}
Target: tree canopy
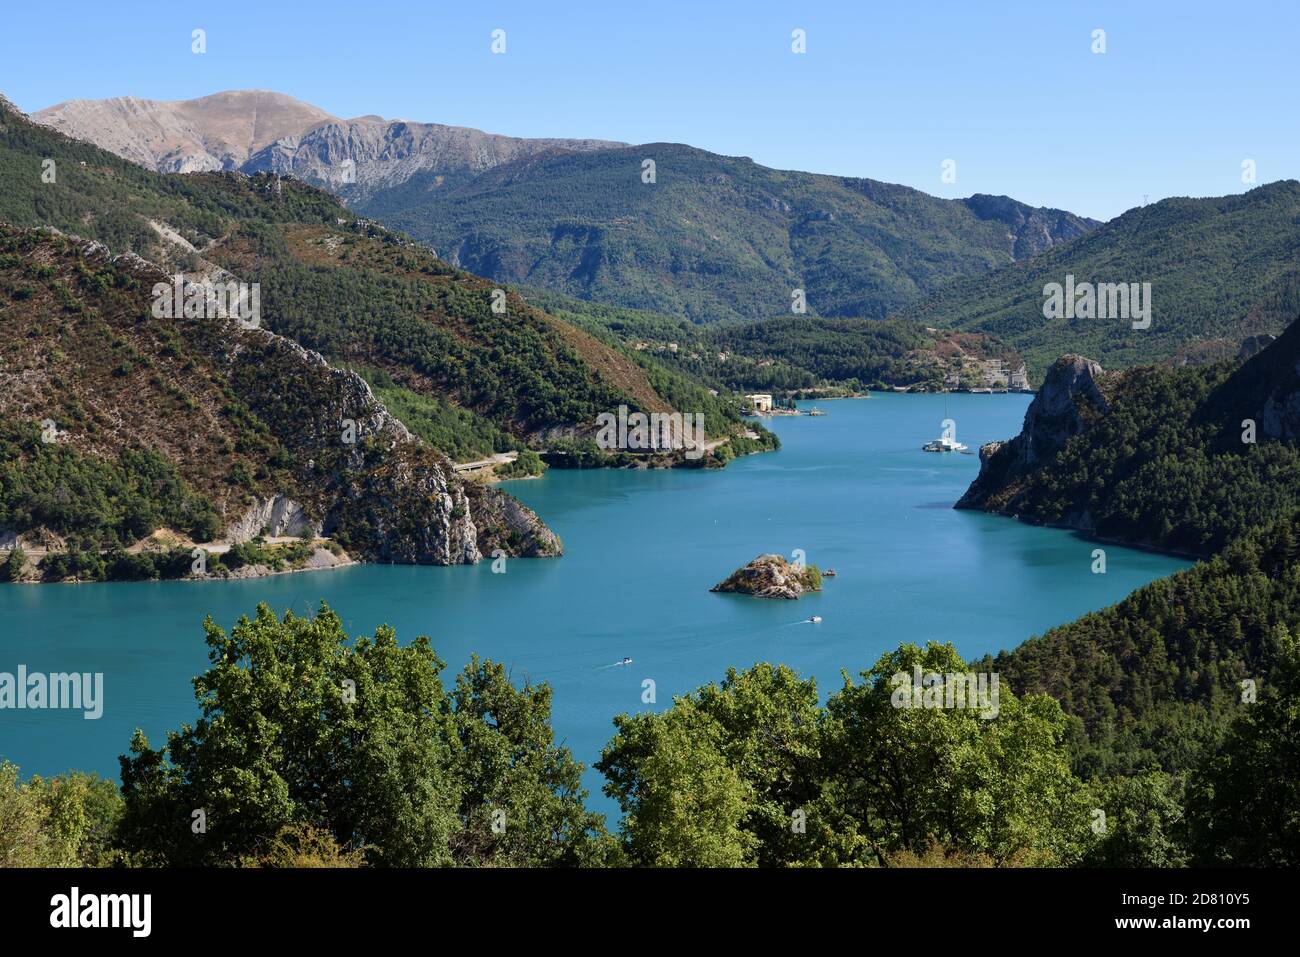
{"points": [[359, 738]]}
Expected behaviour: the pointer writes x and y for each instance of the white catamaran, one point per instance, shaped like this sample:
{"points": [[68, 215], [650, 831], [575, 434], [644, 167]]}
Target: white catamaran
{"points": [[947, 441], [944, 443]]}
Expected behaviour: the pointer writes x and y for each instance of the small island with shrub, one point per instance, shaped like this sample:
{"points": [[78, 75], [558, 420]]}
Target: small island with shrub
{"points": [[771, 576]]}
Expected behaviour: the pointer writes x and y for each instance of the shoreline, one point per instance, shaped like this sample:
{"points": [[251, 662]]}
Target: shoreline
{"points": [[249, 572], [244, 572], [1087, 536]]}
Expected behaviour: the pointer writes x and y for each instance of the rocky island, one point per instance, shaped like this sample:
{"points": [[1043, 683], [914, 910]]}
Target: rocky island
{"points": [[771, 576]]}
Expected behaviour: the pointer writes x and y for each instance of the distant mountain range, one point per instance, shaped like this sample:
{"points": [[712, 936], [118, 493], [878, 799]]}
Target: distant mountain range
{"points": [[715, 237], [722, 238], [712, 237]]}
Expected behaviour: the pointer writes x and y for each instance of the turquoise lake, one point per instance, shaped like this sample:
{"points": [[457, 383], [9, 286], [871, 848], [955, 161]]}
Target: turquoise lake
{"points": [[852, 489]]}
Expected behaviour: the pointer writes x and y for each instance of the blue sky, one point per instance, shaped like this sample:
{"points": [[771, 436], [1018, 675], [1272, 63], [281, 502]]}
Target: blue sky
{"points": [[1010, 91]]}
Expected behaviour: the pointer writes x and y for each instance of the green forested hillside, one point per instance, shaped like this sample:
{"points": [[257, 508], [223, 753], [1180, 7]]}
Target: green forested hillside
{"points": [[1220, 269], [116, 423], [354, 292], [461, 434], [1184, 692], [713, 237], [1166, 463], [1157, 676], [677, 344], [867, 353], [789, 354]]}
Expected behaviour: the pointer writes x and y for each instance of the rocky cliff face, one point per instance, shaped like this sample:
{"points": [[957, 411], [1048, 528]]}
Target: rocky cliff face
{"points": [[276, 515], [355, 158], [1071, 398], [1059, 411], [1280, 418], [1030, 230], [1265, 388], [372, 485]]}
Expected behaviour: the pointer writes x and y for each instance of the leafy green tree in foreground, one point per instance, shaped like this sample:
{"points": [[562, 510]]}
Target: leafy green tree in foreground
{"points": [[754, 772], [899, 779], [684, 803], [64, 821], [302, 726], [716, 779], [507, 765]]}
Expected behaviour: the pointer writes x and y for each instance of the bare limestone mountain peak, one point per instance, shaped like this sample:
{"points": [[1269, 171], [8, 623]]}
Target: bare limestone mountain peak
{"points": [[262, 131], [356, 157], [216, 132]]}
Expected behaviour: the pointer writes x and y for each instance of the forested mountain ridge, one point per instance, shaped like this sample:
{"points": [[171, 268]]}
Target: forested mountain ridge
{"points": [[871, 353], [446, 333], [349, 289], [117, 422], [1220, 270], [1184, 460], [715, 237]]}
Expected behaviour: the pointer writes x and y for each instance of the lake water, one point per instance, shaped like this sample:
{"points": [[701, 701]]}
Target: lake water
{"points": [[852, 489]]}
